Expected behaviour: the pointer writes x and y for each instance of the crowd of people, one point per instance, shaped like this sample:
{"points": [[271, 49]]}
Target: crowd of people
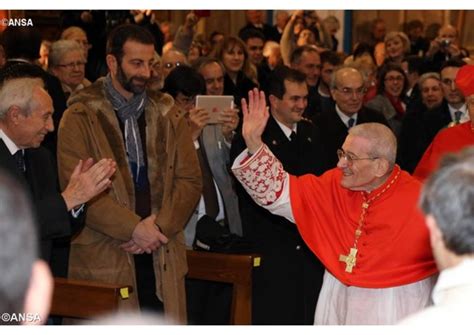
{"points": [[317, 165]]}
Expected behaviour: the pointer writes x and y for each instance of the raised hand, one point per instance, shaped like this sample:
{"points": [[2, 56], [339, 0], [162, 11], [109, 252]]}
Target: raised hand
{"points": [[255, 117]]}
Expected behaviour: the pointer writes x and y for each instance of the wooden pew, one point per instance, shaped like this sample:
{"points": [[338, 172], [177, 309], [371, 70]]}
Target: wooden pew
{"points": [[227, 268], [85, 299]]}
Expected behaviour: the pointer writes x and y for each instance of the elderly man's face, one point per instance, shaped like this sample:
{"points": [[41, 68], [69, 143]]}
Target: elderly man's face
{"points": [[170, 60], [450, 90], [32, 129], [349, 91], [156, 79], [431, 93], [358, 174], [71, 68], [214, 78]]}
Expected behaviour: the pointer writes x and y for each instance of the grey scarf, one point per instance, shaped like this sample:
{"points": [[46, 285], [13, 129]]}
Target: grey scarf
{"points": [[129, 112]]}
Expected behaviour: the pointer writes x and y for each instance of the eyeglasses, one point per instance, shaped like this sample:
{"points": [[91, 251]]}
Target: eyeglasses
{"points": [[71, 66], [350, 158], [351, 91], [171, 65], [398, 78]]}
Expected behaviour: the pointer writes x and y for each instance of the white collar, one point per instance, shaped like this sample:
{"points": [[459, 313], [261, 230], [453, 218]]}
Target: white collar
{"points": [[287, 131], [346, 118], [463, 110], [12, 147], [459, 275]]}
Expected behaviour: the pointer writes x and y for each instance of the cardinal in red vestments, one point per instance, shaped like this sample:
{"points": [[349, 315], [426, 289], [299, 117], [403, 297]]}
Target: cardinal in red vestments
{"points": [[360, 219]]}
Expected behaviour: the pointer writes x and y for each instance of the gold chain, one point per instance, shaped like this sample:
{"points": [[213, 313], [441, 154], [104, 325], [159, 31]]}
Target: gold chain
{"points": [[367, 202], [350, 259]]}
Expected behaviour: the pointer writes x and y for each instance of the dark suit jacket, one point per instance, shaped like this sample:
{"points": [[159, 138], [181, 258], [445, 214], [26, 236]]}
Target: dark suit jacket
{"points": [[419, 127], [239, 90], [40, 182], [334, 131], [287, 284]]}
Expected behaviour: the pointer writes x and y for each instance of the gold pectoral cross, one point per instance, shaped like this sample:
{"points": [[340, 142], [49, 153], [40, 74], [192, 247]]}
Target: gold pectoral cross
{"points": [[349, 259]]}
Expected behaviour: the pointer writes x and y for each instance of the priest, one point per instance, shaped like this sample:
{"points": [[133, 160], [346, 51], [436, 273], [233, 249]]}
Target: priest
{"points": [[452, 139], [360, 219]]}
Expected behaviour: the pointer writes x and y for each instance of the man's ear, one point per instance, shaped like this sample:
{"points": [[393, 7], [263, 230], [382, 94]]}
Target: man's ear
{"points": [[382, 167], [14, 114], [40, 292], [112, 63], [273, 101], [436, 236]]}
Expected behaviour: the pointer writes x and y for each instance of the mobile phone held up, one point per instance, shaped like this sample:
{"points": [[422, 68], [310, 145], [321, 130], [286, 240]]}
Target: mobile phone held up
{"points": [[214, 105]]}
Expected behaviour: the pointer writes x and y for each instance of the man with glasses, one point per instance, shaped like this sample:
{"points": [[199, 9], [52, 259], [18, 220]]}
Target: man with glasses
{"points": [[287, 284], [360, 219], [347, 90], [67, 62], [172, 59]]}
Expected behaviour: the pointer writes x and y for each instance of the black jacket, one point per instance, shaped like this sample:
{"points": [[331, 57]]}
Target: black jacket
{"points": [[286, 285], [40, 182], [334, 131]]}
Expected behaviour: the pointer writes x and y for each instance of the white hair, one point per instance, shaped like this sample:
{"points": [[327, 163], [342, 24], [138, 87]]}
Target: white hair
{"points": [[60, 48], [18, 92]]}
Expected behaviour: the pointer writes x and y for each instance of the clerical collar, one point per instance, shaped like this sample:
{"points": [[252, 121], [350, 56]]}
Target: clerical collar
{"points": [[321, 93], [346, 118], [287, 131], [12, 147], [463, 110]]}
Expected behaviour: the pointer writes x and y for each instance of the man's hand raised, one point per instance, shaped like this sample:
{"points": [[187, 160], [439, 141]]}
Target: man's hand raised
{"points": [[255, 117]]}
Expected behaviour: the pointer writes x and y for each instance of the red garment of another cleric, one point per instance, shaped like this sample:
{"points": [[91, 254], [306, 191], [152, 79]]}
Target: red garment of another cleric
{"points": [[449, 140]]}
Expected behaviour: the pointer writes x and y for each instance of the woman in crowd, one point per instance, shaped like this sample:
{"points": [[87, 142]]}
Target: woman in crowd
{"points": [[395, 47], [67, 61], [240, 76], [392, 85]]}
